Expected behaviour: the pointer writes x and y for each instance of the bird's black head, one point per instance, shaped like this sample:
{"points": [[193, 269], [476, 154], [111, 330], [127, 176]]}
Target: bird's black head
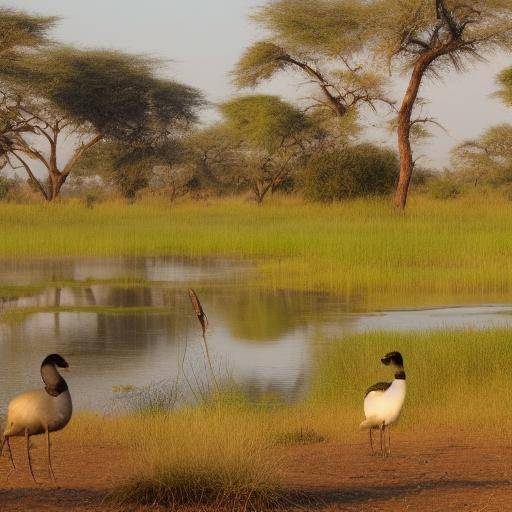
{"points": [[56, 360], [393, 359]]}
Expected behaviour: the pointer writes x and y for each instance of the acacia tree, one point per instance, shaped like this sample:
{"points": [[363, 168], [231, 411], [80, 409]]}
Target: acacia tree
{"points": [[321, 40], [269, 135], [429, 37], [94, 96], [19, 33], [488, 159], [215, 160]]}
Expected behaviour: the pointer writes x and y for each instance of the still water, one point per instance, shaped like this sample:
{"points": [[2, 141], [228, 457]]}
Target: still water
{"points": [[265, 340]]}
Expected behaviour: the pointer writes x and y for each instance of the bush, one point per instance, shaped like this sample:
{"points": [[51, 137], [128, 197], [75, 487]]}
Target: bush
{"points": [[360, 170], [7, 186], [443, 186]]}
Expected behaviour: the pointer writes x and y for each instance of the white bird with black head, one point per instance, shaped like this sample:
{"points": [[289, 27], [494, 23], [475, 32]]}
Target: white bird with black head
{"points": [[40, 411], [383, 401]]}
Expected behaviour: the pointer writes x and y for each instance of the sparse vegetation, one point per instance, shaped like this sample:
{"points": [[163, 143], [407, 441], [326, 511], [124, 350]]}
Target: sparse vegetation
{"points": [[223, 451]]}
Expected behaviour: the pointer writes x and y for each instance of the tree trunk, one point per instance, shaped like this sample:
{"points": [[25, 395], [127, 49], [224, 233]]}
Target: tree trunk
{"points": [[404, 130], [56, 182]]}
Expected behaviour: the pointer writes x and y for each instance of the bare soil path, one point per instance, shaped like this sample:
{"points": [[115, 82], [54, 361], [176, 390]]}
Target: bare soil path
{"points": [[424, 474]]}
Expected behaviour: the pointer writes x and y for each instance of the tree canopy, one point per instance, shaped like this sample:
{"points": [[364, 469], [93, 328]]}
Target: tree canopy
{"points": [[95, 95], [320, 39], [488, 159], [431, 38], [267, 133]]}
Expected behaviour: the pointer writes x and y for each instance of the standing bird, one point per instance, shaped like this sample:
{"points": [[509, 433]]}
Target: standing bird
{"points": [[383, 401], [40, 411]]}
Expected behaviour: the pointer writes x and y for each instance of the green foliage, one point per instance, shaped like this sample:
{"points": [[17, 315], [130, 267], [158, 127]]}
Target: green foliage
{"points": [[7, 185], [117, 94], [260, 62], [360, 170], [263, 120], [443, 186], [487, 160], [19, 31], [213, 155], [96, 95], [317, 27], [267, 138], [126, 167], [320, 39], [398, 30], [505, 82]]}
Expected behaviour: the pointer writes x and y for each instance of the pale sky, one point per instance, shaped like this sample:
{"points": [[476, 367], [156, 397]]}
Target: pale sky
{"points": [[202, 40]]}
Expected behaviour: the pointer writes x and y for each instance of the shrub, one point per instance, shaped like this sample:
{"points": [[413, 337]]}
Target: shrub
{"points": [[7, 186], [443, 186], [359, 170]]}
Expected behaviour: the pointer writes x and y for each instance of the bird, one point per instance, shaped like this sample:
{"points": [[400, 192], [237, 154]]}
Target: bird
{"points": [[40, 411], [383, 402]]}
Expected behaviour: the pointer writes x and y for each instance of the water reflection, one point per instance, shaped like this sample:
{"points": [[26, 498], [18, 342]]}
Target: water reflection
{"points": [[258, 338], [264, 339]]}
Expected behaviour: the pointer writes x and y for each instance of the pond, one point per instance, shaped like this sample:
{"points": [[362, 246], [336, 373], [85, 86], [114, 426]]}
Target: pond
{"points": [[127, 323]]}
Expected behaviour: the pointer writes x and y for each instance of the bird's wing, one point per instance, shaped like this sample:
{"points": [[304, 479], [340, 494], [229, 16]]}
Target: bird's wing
{"points": [[380, 386]]}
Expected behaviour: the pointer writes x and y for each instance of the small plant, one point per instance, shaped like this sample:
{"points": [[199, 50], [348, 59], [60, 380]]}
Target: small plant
{"points": [[90, 200], [199, 456], [301, 436]]}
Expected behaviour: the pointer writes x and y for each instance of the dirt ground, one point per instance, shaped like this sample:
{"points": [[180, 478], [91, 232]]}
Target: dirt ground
{"points": [[435, 473]]}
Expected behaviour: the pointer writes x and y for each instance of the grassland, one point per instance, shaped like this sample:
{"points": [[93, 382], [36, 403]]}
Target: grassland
{"points": [[434, 252], [224, 450]]}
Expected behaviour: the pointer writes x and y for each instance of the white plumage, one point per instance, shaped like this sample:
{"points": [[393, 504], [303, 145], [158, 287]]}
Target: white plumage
{"points": [[384, 407], [383, 401]]}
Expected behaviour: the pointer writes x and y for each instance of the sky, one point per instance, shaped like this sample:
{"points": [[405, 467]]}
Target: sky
{"points": [[201, 40]]}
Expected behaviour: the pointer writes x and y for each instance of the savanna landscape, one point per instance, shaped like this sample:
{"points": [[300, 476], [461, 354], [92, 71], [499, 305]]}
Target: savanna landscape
{"points": [[227, 274]]}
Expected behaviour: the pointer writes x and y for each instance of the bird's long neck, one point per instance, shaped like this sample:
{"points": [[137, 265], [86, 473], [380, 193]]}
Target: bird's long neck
{"points": [[54, 383], [400, 373]]}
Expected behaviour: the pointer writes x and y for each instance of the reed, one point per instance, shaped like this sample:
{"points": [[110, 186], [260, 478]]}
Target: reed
{"points": [[434, 252]]}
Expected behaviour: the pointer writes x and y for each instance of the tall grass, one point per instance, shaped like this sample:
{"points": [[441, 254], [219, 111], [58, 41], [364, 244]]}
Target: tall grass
{"points": [[226, 451], [436, 251], [456, 380], [210, 455]]}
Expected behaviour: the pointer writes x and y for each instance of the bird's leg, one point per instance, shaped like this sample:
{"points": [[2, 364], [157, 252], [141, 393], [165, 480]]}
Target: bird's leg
{"points": [[371, 440], [382, 438], [6, 442], [389, 441], [27, 439], [48, 446]]}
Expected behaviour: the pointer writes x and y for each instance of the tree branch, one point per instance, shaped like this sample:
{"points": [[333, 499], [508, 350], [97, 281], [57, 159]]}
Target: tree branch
{"points": [[78, 153], [31, 175]]}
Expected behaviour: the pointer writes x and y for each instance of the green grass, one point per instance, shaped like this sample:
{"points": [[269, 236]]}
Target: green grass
{"points": [[435, 252], [456, 380], [227, 450], [202, 455], [224, 451], [19, 314]]}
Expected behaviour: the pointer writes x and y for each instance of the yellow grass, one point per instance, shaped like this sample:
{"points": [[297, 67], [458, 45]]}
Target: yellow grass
{"points": [[435, 252], [225, 451]]}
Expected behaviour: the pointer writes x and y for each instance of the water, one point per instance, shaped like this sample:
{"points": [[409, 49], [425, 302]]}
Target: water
{"points": [[265, 340]]}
